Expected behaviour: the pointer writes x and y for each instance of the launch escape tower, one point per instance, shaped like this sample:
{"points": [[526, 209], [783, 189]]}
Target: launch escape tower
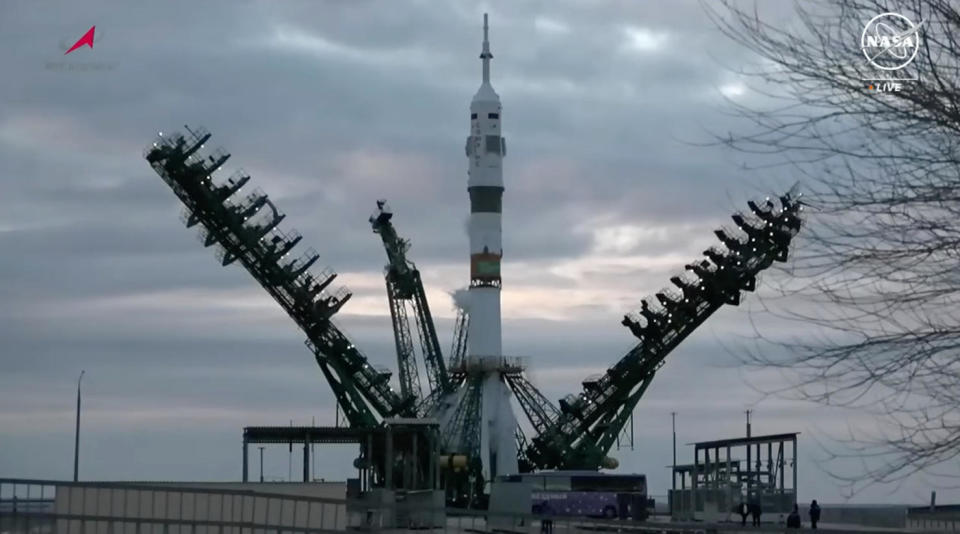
{"points": [[469, 395]]}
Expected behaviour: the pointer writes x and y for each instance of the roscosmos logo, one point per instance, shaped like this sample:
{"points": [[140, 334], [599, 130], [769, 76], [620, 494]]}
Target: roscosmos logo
{"points": [[75, 62], [86, 40]]}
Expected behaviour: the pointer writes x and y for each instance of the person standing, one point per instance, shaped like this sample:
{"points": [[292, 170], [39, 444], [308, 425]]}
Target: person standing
{"points": [[756, 511], [546, 522], [793, 520], [744, 511], [814, 514]]}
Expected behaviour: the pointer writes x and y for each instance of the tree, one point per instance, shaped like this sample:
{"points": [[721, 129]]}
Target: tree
{"points": [[880, 259]]}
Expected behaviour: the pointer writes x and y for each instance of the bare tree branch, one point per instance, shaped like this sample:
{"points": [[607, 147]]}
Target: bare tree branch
{"points": [[878, 271]]}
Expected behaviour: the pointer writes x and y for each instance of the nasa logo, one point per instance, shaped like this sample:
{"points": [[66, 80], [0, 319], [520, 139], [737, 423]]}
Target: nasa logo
{"points": [[890, 41]]}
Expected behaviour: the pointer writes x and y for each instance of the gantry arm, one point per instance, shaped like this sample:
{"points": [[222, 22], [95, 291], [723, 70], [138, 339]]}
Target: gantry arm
{"points": [[588, 423], [245, 230], [405, 286]]}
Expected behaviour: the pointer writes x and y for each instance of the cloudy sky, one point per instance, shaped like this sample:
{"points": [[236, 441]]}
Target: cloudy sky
{"points": [[331, 105]]}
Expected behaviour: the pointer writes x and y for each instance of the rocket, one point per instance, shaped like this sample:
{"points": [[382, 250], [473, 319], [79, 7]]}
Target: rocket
{"points": [[485, 149]]}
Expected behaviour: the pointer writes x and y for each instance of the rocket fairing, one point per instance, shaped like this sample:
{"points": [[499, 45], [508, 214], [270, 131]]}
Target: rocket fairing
{"points": [[485, 149]]}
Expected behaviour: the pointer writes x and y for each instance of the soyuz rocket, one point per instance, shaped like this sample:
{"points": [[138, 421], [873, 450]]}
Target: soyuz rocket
{"points": [[485, 150]]}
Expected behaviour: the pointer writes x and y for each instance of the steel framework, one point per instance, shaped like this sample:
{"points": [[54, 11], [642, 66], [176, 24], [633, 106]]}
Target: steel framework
{"points": [[576, 434], [405, 288], [589, 423], [245, 230]]}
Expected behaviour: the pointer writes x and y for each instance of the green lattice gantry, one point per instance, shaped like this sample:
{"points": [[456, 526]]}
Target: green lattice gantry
{"points": [[576, 433], [244, 228]]}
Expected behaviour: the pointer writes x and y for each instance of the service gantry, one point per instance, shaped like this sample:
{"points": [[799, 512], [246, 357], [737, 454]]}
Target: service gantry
{"points": [[575, 434]]}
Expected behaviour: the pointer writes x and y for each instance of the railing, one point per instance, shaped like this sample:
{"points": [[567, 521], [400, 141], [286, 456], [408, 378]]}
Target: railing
{"points": [[925, 520], [43, 506], [113, 508]]}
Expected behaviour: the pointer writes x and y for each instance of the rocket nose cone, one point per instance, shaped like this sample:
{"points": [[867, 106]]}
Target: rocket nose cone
{"points": [[486, 94]]}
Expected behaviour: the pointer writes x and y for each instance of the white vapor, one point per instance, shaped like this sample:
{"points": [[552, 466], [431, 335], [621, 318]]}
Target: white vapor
{"points": [[461, 299]]}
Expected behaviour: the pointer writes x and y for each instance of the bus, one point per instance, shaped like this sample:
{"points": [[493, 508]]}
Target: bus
{"points": [[587, 494]]}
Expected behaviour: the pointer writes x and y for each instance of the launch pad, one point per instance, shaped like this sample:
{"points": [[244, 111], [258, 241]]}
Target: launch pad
{"points": [[459, 434]]}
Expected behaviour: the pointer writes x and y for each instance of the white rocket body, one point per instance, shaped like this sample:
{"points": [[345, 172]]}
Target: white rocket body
{"points": [[485, 150]]}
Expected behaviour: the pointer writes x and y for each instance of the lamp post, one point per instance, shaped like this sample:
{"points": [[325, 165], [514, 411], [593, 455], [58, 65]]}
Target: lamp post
{"points": [[673, 468], [76, 436], [261, 463], [673, 416]]}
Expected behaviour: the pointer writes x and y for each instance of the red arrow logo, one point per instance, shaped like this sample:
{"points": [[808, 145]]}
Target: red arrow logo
{"points": [[87, 39]]}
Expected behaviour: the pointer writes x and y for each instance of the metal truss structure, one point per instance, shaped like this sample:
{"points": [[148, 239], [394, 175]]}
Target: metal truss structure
{"points": [[245, 228], [405, 289], [575, 434]]}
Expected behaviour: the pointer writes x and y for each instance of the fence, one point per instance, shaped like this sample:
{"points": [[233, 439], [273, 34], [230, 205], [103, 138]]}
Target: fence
{"points": [[119, 508], [938, 519], [42, 507]]}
